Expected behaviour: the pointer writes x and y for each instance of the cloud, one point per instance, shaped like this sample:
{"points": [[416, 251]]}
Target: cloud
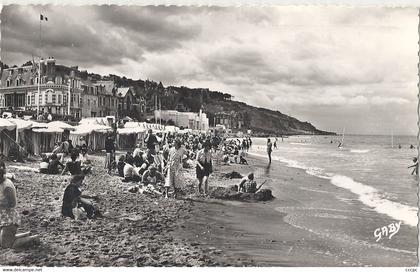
{"points": [[341, 60]]}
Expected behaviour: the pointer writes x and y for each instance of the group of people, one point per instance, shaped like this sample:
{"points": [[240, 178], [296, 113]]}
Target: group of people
{"points": [[77, 160], [159, 165], [235, 150]]}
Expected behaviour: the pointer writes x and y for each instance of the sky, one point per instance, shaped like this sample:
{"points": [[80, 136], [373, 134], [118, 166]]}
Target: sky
{"points": [[335, 67]]}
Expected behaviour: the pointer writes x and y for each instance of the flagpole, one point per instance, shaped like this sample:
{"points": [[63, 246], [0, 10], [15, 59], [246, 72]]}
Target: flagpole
{"points": [[39, 69]]}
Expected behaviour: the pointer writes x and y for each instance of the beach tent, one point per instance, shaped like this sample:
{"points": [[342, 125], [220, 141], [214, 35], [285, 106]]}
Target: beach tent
{"points": [[94, 134], [7, 135], [46, 137], [128, 136], [23, 133]]}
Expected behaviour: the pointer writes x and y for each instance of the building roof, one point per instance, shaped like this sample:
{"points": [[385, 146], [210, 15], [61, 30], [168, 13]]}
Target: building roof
{"points": [[109, 85], [122, 92]]}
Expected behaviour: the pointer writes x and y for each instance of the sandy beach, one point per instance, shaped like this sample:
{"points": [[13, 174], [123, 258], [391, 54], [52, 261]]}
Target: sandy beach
{"points": [[305, 225]]}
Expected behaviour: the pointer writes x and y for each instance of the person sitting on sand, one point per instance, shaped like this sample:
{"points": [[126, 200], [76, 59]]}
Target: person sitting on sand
{"points": [[58, 148], [248, 184], [9, 217], [152, 176], [138, 158], [129, 173], [416, 167], [73, 198], [137, 151], [74, 166], [43, 166], [54, 166]]}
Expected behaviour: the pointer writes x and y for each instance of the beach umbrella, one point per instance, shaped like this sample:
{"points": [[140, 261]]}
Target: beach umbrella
{"points": [[20, 123], [6, 124], [59, 124], [48, 130]]}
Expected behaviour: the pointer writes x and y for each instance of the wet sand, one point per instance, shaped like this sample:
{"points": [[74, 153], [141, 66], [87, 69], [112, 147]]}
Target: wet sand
{"points": [[310, 223]]}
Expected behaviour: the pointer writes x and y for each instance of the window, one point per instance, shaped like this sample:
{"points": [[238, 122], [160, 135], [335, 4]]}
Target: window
{"points": [[65, 99], [59, 99], [88, 102], [33, 98], [8, 83], [29, 100], [80, 101], [53, 98], [45, 97]]}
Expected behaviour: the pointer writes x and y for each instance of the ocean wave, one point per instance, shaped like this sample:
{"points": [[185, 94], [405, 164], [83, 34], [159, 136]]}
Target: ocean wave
{"points": [[359, 150], [368, 195], [372, 198]]}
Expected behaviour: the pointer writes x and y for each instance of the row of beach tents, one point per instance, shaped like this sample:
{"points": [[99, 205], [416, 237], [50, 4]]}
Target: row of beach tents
{"points": [[37, 138]]}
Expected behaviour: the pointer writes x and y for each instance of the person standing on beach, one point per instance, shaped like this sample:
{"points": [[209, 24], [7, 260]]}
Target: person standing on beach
{"points": [[151, 142], [275, 143], [173, 167], [204, 167], [110, 153], [9, 217], [269, 149]]}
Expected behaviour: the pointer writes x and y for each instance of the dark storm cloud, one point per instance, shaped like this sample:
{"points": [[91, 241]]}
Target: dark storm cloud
{"points": [[102, 35], [283, 58]]}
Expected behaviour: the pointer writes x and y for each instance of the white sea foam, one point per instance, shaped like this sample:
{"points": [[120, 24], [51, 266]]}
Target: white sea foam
{"points": [[368, 195], [359, 150], [372, 198]]}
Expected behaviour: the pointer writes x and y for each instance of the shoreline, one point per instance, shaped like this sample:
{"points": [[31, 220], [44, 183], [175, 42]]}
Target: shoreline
{"points": [[309, 223]]}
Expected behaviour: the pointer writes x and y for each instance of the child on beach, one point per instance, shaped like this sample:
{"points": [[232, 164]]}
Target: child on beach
{"points": [[73, 198], [9, 217], [54, 166], [248, 184], [416, 167]]}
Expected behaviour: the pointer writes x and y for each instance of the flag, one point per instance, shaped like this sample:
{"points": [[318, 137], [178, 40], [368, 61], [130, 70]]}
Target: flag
{"points": [[42, 17]]}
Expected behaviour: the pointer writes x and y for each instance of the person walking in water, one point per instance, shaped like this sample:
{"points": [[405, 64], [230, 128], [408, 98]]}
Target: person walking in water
{"points": [[269, 149]]}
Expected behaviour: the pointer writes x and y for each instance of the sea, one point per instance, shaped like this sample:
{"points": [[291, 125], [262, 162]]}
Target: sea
{"points": [[373, 168]]}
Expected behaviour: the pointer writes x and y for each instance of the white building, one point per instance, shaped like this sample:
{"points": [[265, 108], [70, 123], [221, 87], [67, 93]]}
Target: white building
{"points": [[191, 120]]}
